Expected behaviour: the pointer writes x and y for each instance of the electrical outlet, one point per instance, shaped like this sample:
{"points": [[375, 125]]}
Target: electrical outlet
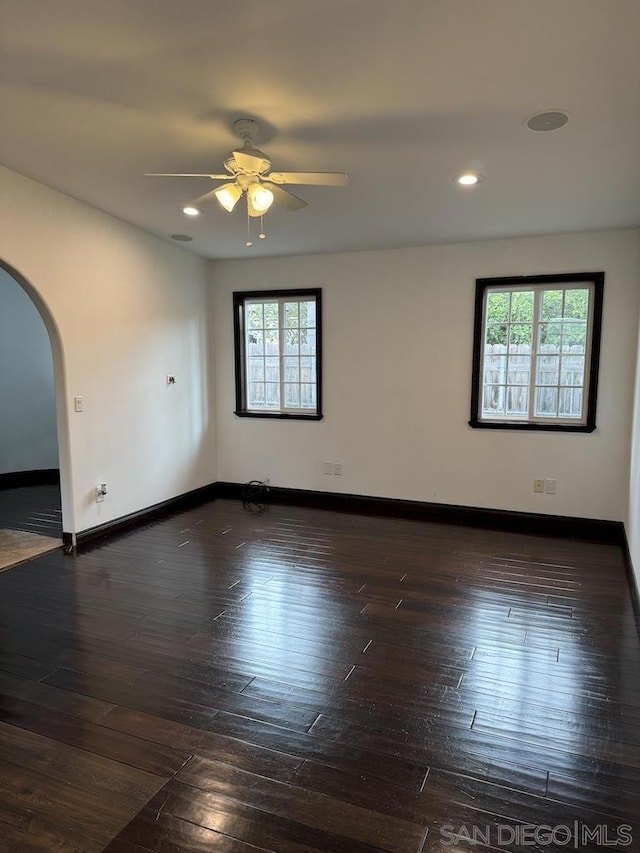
{"points": [[171, 379], [328, 467], [337, 469], [538, 486], [551, 487], [101, 491]]}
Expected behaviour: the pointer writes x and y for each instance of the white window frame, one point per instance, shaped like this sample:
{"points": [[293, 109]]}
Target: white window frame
{"points": [[593, 282]]}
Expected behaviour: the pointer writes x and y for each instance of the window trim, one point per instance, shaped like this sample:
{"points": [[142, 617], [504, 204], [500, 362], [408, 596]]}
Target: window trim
{"points": [[596, 279], [239, 298]]}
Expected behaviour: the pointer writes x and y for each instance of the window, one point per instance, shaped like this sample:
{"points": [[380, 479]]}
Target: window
{"points": [[278, 352], [536, 351]]}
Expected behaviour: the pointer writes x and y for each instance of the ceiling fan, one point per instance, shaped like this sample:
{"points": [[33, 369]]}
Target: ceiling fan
{"points": [[248, 174]]}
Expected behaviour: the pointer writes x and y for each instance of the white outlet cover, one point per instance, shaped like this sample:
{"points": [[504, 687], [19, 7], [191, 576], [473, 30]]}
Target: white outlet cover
{"points": [[337, 469]]}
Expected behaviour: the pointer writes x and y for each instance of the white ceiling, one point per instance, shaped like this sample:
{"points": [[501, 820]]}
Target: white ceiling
{"points": [[401, 94]]}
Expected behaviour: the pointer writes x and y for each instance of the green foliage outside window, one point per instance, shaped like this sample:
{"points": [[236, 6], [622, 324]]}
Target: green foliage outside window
{"points": [[515, 309]]}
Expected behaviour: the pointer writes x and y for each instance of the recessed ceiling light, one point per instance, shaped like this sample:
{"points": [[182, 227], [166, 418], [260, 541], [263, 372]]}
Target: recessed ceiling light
{"points": [[181, 238], [468, 179], [190, 210], [546, 121]]}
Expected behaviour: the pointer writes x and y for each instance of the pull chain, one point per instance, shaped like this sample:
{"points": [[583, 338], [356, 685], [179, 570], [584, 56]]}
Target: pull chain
{"points": [[262, 235], [249, 241]]}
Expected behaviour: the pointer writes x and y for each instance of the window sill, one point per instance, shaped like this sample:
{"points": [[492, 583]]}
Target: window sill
{"points": [[282, 416], [531, 427]]}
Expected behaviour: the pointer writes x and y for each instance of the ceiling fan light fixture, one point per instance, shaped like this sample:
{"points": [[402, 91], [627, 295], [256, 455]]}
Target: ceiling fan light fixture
{"points": [[228, 195], [261, 198], [248, 173]]}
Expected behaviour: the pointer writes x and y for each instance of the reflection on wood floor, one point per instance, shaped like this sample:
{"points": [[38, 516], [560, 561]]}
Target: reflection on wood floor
{"points": [[303, 681]]}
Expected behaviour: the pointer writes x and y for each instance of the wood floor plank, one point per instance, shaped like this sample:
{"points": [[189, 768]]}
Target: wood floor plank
{"points": [[307, 807], [98, 776]]}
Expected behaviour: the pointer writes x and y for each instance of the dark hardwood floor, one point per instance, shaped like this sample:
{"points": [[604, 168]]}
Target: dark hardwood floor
{"points": [[34, 509], [301, 681]]}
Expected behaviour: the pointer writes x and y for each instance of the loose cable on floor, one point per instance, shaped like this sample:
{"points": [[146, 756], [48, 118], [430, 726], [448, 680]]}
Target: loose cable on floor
{"points": [[255, 496]]}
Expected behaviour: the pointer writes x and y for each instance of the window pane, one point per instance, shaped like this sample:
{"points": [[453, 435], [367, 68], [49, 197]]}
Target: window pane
{"points": [[292, 395], [271, 315], [307, 369], [291, 370], [496, 334], [256, 342], [498, 307], [520, 337], [308, 341], [272, 342], [551, 304], [493, 400], [255, 315], [495, 369], [574, 335], [256, 369], [571, 402], [291, 315], [256, 395], [307, 396], [549, 337], [272, 369], [572, 370], [546, 402], [519, 372], [522, 306], [517, 400], [576, 304], [547, 370], [308, 314], [273, 395], [291, 341]]}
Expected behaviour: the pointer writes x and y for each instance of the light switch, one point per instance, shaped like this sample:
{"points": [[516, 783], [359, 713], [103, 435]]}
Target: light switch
{"points": [[78, 404]]}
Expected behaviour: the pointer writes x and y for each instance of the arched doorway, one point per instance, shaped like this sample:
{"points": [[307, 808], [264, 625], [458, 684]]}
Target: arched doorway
{"points": [[61, 419]]}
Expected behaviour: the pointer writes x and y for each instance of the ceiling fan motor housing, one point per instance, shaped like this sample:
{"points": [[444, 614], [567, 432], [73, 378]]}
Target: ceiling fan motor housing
{"points": [[233, 168]]}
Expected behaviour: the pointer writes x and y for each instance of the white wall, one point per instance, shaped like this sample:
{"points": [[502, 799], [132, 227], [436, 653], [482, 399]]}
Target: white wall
{"points": [[28, 437], [398, 331], [124, 309], [633, 518]]}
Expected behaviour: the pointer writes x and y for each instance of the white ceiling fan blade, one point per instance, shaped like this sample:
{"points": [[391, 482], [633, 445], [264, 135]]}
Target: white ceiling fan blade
{"points": [[186, 175], [320, 179], [250, 163], [284, 198]]}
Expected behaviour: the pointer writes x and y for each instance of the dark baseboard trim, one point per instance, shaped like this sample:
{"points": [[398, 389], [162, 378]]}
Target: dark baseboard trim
{"points": [[19, 479], [633, 585], [77, 541], [589, 529]]}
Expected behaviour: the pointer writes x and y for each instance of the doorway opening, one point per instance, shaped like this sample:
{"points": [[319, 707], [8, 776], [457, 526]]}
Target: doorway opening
{"points": [[32, 457]]}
